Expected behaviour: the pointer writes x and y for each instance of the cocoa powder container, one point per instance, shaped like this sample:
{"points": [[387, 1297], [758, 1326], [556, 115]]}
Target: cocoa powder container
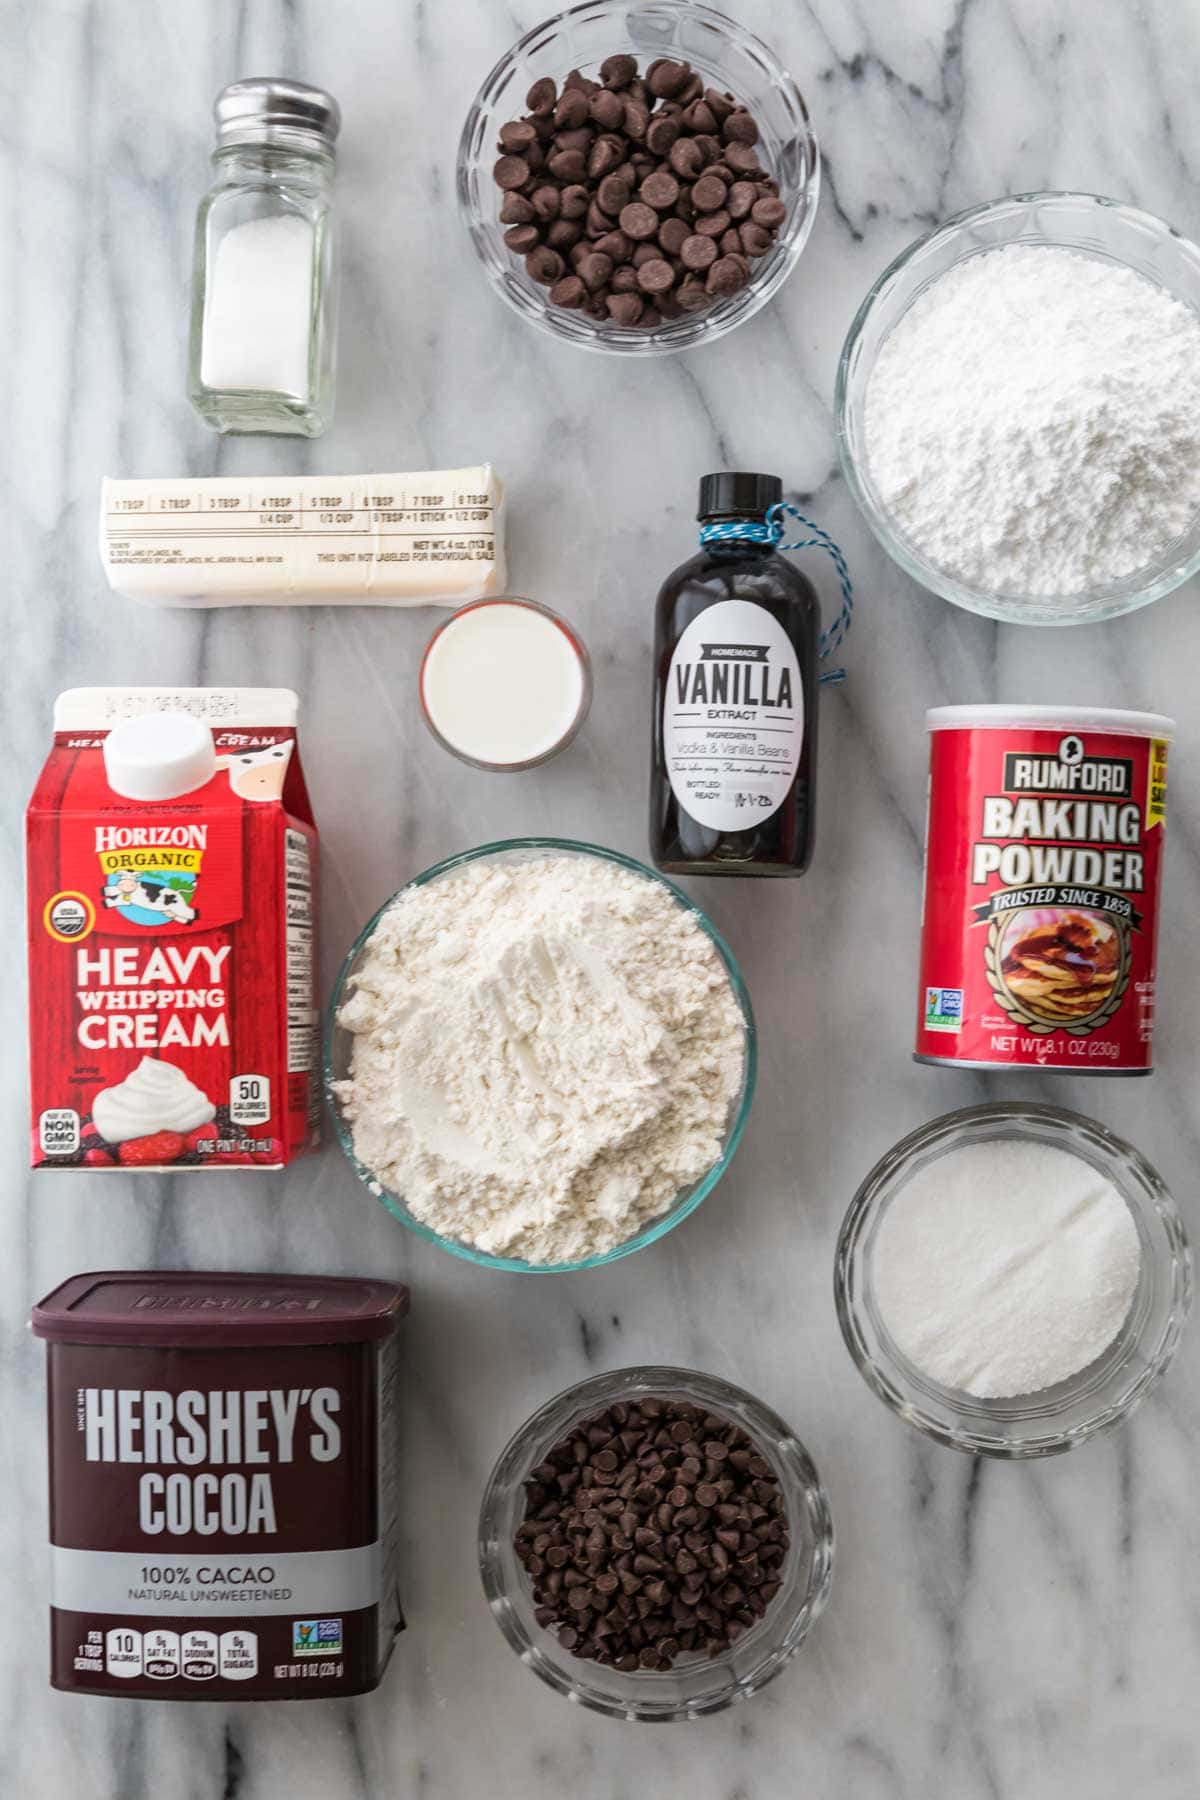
{"points": [[223, 1475]]}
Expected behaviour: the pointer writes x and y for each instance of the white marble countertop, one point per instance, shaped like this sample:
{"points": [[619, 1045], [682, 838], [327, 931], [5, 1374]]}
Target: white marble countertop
{"points": [[995, 1633]]}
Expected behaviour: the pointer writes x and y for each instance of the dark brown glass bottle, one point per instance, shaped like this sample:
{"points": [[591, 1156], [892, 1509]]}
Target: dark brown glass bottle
{"points": [[736, 628]]}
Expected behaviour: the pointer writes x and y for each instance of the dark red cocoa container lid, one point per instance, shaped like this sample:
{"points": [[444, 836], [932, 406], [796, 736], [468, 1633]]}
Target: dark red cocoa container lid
{"points": [[187, 1309]]}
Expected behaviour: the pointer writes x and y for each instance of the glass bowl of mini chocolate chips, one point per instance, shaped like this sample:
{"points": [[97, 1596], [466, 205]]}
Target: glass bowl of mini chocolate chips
{"points": [[638, 179], [655, 1544]]}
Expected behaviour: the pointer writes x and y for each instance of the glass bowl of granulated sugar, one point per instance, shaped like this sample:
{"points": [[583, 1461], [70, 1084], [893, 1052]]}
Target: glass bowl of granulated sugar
{"points": [[1016, 409], [1012, 1279], [540, 1055]]}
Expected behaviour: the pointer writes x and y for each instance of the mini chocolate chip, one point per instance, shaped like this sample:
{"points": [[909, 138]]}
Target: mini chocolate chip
{"points": [[542, 97], [618, 71], [638, 220], [625, 309], [656, 277], [769, 213], [511, 172], [698, 253]]}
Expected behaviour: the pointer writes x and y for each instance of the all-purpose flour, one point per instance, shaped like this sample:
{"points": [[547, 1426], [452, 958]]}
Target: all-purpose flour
{"points": [[545, 1053], [1033, 421]]}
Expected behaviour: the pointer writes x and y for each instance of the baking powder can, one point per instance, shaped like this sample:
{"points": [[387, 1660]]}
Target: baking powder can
{"points": [[1043, 860]]}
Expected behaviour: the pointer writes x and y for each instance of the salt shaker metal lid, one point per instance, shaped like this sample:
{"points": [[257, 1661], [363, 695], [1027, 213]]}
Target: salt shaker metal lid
{"points": [[267, 109]]}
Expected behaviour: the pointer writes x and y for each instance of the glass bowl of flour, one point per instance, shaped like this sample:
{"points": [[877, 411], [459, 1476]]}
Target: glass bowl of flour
{"points": [[540, 1055], [1011, 1279], [1016, 409]]}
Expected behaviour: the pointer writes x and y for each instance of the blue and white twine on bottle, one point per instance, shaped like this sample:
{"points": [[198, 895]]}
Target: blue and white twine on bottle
{"points": [[749, 531]]}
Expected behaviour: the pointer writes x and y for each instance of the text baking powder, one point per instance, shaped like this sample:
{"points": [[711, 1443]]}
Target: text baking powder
{"points": [[1033, 421]]}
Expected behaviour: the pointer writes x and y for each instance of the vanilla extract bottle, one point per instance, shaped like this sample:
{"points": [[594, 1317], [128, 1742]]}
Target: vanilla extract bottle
{"points": [[735, 695]]}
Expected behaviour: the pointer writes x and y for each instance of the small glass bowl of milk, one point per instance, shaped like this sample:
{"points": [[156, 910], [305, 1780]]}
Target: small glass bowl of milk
{"points": [[505, 683]]}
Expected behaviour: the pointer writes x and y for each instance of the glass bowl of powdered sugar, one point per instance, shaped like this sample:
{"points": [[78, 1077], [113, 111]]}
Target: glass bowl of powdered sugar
{"points": [[1016, 409], [1012, 1279], [540, 1055]]}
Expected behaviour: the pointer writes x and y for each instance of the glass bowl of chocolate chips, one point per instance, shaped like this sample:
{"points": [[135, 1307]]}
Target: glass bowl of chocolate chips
{"points": [[638, 179], [655, 1544]]}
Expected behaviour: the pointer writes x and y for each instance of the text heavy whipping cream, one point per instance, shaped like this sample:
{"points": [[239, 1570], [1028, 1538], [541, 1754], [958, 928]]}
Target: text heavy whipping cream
{"points": [[222, 1484], [171, 865]]}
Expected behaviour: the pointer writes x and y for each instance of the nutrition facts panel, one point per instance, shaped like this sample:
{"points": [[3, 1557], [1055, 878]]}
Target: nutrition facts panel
{"points": [[301, 1014]]}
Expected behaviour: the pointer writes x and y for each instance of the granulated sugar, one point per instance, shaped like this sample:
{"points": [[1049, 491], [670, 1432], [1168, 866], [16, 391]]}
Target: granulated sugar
{"points": [[1033, 421], [546, 1052], [1004, 1267]]}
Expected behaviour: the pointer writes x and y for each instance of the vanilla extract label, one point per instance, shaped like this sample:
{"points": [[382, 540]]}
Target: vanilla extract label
{"points": [[733, 716]]}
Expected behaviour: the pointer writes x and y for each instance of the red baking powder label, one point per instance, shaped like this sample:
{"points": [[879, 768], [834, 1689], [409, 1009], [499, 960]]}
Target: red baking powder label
{"points": [[1042, 867], [171, 977]]}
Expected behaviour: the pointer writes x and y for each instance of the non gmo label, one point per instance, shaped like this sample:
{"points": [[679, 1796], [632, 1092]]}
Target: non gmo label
{"points": [[733, 716]]}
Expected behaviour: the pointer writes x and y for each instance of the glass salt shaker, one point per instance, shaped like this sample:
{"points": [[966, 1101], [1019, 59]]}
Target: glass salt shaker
{"points": [[261, 356]]}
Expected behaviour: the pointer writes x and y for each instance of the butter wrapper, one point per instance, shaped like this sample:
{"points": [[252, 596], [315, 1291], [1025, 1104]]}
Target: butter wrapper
{"points": [[431, 539]]}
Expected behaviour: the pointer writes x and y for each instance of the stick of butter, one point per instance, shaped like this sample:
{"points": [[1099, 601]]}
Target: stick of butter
{"points": [[312, 540]]}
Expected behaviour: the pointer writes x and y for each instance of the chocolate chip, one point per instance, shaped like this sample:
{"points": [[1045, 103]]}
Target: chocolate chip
{"points": [[625, 279], [656, 276], [544, 265], [568, 165], [542, 97], [742, 159], [740, 128], [692, 295], [624, 309], [607, 109], [516, 210], [708, 195], [522, 238], [661, 133], [517, 136], [595, 271], [700, 117], [769, 213], [753, 239], [606, 155], [666, 78], [720, 105], [672, 235], [661, 191], [637, 118], [729, 242], [617, 245], [713, 224], [686, 158], [698, 253], [511, 172], [613, 195], [618, 71], [638, 220], [573, 202], [728, 275], [582, 139], [569, 292], [740, 199], [546, 202]]}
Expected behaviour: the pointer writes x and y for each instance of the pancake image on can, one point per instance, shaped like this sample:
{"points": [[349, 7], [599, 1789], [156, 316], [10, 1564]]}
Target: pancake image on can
{"points": [[1060, 966]]}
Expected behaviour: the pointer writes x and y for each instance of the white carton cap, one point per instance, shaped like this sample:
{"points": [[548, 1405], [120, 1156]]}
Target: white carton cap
{"points": [[159, 756]]}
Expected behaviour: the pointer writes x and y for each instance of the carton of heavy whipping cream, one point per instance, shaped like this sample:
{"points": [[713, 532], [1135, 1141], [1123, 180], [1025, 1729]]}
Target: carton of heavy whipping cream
{"points": [[434, 538], [223, 1484], [171, 858]]}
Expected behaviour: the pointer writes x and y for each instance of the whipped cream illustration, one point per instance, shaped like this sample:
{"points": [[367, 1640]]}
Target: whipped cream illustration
{"points": [[156, 1096]]}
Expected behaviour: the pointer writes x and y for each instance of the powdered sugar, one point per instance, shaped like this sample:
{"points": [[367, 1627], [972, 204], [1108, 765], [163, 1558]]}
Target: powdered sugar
{"points": [[1033, 421], [1002, 1268], [546, 1051]]}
